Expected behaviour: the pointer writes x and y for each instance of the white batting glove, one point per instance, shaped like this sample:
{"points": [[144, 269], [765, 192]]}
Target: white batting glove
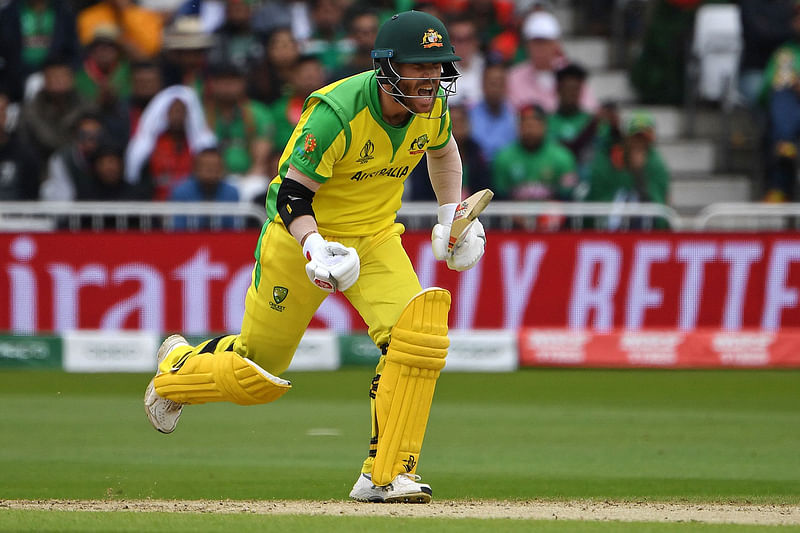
{"points": [[469, 251], [470, 247], [441, 231], [331, 266]]}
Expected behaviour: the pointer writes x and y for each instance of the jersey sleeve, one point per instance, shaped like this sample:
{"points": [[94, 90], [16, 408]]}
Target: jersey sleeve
{"points": [[320, 143], [445, 128]]}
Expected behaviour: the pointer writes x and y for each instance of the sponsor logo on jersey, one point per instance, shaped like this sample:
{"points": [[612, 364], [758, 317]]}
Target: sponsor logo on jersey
{"points": [[310, 143], [366, 152], [431, 39], [279, 294], [392, 172], [418, 144]]}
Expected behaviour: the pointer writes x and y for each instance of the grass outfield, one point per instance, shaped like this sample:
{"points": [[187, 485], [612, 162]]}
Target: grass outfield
{"points": [[547, 434], [41, 521]]}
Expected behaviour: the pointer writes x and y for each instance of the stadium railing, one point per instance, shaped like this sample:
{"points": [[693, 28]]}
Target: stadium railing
{"points": [[148, 216], [748, 216]]}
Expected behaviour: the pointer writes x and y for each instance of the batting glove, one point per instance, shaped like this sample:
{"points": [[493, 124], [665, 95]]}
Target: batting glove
{"points": [[441, 231], [469, 247], [469, 250], [331, 266]]}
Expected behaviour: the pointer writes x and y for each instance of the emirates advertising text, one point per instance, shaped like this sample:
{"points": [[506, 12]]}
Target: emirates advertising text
{"points": [[195, 283]]}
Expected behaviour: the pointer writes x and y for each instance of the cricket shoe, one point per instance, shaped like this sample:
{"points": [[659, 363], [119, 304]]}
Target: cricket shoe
{"points": [[405, 488], [163, 414]]}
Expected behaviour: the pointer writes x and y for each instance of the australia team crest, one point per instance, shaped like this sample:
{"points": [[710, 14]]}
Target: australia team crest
{"points": [[431, 39]]}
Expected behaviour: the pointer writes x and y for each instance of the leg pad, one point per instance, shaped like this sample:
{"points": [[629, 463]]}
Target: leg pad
{"points": [[415, 356], [219, 377]]}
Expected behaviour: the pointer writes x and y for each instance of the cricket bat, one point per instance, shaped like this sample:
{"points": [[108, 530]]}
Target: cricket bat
{"points": [[466, 212]]}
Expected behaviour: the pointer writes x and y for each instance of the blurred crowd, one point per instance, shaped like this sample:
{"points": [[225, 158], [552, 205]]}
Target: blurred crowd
{"points": [[190, 100]]}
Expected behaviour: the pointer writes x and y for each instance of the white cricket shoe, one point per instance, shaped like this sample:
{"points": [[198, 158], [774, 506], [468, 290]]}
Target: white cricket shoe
{"points": [[163, 414], [405, 488]]}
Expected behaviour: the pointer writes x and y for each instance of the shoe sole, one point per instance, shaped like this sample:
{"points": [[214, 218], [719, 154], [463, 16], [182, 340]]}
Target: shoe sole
{"points": [[418, 497], [410, 498], [166, 347]]}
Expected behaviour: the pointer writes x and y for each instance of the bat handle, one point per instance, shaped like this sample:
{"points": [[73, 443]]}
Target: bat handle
{"points": [[451, 243]]}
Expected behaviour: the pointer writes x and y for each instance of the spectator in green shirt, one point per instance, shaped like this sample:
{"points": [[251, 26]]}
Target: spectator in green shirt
{"points": [[105, 74], [244, 127], [328, 40], [534, 167], [572, 125], [631, 170]]}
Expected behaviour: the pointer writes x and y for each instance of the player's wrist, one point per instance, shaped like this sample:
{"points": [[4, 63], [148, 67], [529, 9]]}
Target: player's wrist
{"points": [[313, 241], [445, 213], [306, 235]]}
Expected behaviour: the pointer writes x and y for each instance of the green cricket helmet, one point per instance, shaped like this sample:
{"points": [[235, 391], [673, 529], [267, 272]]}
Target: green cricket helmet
{"points": [[414, 37]]}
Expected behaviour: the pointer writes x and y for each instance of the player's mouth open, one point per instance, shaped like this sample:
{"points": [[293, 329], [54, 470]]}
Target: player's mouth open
{"points": [[426, 93]]}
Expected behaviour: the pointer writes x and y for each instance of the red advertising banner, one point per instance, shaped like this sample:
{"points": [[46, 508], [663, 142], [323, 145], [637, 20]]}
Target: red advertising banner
{"points": [[702, 348], [195, 283]]}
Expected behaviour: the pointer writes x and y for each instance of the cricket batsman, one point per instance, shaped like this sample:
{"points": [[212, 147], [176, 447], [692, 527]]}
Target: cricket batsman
{"points": [[331, 227]]}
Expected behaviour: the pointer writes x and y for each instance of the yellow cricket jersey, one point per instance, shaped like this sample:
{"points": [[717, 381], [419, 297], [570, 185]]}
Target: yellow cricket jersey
{"points": [[362, 162]]}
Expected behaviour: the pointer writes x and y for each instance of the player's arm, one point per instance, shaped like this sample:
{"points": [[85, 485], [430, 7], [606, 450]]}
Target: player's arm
{"points": [[445, 170], [331, 266], [294, 204]]}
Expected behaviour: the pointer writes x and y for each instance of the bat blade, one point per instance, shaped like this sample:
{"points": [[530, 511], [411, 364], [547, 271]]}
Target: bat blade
{"points": [[467, 211]]}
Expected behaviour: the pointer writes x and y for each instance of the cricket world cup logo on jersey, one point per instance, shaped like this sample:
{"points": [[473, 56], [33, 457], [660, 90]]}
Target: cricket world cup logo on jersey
{"points": [[366, 152]]}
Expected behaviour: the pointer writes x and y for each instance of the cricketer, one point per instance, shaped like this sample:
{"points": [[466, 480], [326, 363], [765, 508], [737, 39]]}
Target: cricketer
{"points": [[331, 221]]}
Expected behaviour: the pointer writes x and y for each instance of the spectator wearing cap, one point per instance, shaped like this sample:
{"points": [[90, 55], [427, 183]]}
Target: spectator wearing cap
{"points": [[46, 119], [307, 76], [244, 128], [781, 93], [186, 49], [464, 36], [139, 29], [633, 169], [30, 32], [104, 81], [235, 41], [206, 184], [535, 167], [533, 82], [104, 74], [493, 119], [19, 171], [171, 130]]}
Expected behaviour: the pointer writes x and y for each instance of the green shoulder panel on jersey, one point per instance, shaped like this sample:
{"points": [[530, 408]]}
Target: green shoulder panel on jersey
{"points": [[326, 115], [311, 140]]}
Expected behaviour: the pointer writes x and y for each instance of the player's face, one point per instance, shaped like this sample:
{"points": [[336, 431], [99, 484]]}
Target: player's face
{"points": [[423, 89]]}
